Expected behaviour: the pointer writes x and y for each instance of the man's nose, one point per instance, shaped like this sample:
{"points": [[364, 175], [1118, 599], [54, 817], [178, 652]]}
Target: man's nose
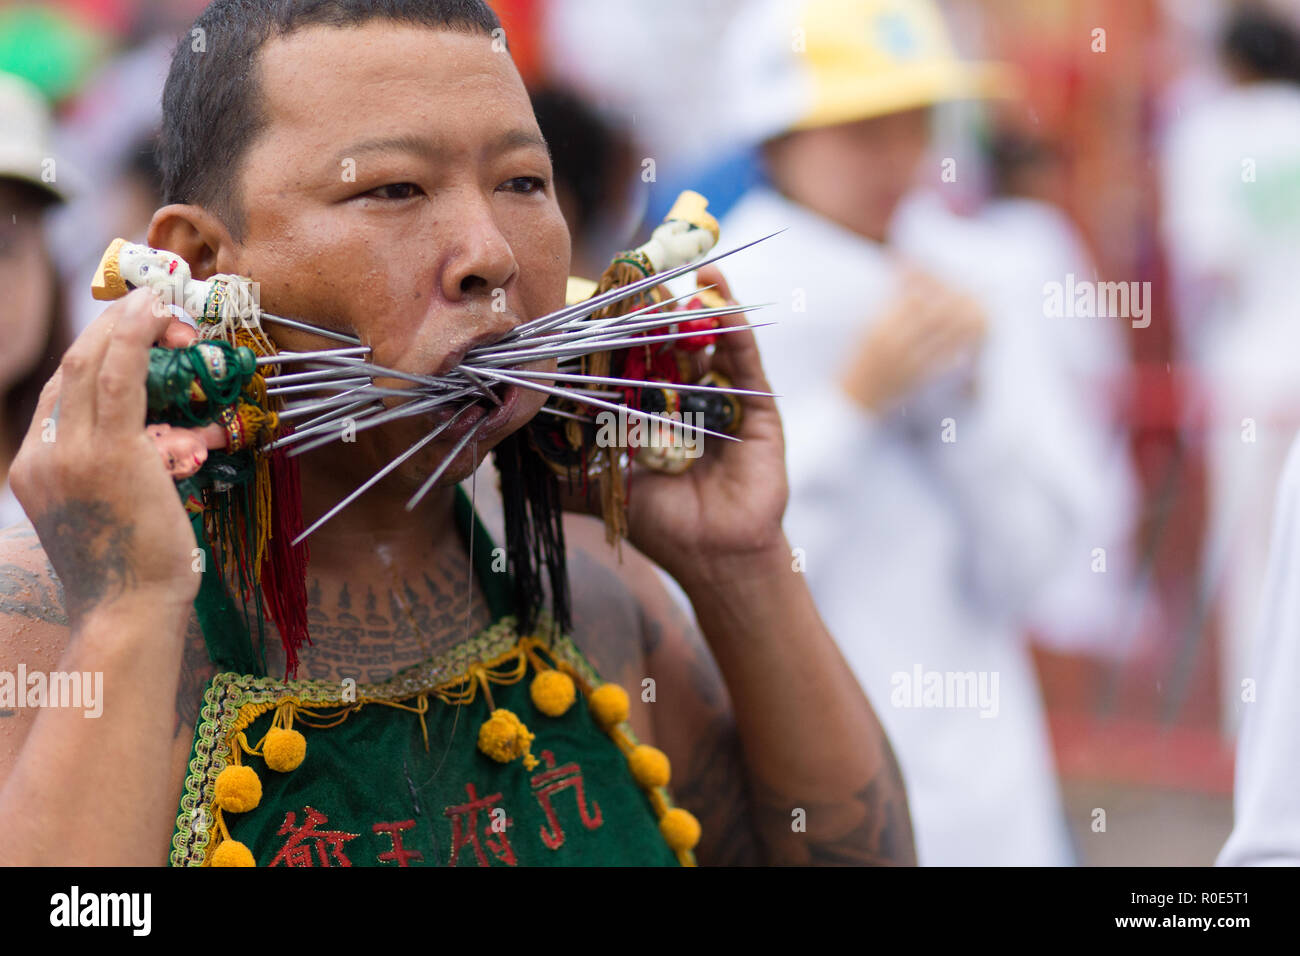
{"points": [[481, 262]]}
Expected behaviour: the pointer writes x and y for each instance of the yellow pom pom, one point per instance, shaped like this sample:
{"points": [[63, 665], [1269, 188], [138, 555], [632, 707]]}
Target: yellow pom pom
{"points": [[608, 704], [503, 737], [238, 789], [232, 853], [284, 750], [552, 692], [680, 829], [649, 765]]}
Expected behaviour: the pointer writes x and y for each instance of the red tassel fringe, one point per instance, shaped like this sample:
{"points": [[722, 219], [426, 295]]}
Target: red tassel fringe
{"points": [[284, 567]]}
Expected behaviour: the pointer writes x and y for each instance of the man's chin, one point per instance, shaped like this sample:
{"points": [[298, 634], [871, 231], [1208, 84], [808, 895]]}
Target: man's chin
{"points": [[415, 471], [372, 450]]}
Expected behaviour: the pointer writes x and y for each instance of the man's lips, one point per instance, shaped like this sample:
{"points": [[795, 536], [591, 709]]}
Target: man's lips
{"points": [[491, 417]]}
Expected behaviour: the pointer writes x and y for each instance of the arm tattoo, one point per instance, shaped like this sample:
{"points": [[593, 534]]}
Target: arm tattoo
{"points": [[605, 620], [712, 783], [713, 788], [881, 834], [196, 670], [25, 593], [85, 539]]}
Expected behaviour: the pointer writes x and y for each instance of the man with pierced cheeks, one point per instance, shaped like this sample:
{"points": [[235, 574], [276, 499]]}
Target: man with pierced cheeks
{"points": [[451, 200]]}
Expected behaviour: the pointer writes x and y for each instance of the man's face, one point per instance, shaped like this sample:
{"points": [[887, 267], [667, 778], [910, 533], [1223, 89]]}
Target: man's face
{"points": [[401, 191]]}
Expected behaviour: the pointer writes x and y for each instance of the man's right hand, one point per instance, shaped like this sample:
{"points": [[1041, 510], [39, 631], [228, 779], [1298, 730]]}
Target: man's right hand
{"points": [[921, 334], [90, 478]]}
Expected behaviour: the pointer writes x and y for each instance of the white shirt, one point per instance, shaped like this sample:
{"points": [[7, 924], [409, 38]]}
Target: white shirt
{"points": [[923, 555], [1267, 787], [1231, 180], [1080, 610]]}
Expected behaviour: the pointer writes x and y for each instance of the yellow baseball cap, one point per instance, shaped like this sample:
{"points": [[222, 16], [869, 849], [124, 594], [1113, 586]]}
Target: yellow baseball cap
{"points": [[800, 64]]}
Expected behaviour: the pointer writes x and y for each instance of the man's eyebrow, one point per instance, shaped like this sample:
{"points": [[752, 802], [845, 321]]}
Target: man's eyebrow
{"points": [[516, 138], [405, 144], [418, 146]]}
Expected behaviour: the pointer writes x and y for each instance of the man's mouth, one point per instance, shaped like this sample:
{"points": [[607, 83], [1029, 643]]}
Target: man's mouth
{"points": [[484, 415]]}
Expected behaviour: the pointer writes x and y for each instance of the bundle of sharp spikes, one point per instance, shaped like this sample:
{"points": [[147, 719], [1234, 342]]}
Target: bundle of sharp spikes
{"points": [[565, 335]]}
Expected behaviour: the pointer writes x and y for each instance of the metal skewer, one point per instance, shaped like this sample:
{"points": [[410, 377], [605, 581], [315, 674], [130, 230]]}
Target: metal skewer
{"points": [[637, 383], [308, 327], [582, 323], [599, 328], [596, 303], [369, 482], [281, 357], [446, 463], [601, 403], [605, 345]]}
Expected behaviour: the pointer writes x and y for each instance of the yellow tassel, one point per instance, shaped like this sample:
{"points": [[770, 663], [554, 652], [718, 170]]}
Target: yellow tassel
{"points": [[503, 737], [680, 829], [233, 853], [254, 338], [237, 789], [609, 705], [553, 692], [649, 765], [284, 750]]}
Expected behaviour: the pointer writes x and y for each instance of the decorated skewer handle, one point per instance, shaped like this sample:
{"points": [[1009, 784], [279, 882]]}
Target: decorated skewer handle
{"points": [[193, 385], [687, 233], [129, 265]]}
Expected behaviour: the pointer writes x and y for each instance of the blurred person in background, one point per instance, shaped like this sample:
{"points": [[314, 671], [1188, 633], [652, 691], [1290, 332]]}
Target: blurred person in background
{"points": [[940, 467], [1079, 610], [110, 127], [594, 172], [32, 330], [1231, 221], [1266, 791]]}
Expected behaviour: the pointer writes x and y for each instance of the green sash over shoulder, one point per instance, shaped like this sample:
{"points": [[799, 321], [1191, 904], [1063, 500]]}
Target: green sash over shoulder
{"points": [[505, 750]]}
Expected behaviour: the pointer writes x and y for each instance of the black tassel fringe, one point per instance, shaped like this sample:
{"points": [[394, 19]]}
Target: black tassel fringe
{"points": [[530, 492]]}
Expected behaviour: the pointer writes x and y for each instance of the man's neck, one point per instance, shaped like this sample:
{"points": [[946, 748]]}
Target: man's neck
{"points": [[376, 527], [387, 588]]}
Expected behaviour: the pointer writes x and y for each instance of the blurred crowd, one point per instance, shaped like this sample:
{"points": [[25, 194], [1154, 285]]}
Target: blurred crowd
{"points": [[1031, 295]]}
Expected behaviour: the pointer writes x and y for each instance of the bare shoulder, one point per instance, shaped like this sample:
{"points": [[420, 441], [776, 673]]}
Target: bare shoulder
{"points": [[606, 621], [624, 609], [680, 697], [34, 625], [628, 625], [31, 594], [33, 628]]}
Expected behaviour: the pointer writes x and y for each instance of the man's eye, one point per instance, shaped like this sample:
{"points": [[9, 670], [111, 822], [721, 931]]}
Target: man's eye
{"points": [[395, 191], [524, 184]]}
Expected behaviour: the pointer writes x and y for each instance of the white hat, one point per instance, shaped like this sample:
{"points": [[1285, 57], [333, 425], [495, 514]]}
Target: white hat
{"points": [[26, 151], [800, 64]]}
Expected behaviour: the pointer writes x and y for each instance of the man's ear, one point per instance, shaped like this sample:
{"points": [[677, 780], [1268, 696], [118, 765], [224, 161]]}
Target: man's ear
{"points": [[197, 236]]}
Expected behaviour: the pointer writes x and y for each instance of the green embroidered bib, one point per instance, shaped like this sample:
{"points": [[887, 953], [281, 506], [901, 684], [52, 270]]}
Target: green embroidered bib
{"points": [[505, 750]]}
